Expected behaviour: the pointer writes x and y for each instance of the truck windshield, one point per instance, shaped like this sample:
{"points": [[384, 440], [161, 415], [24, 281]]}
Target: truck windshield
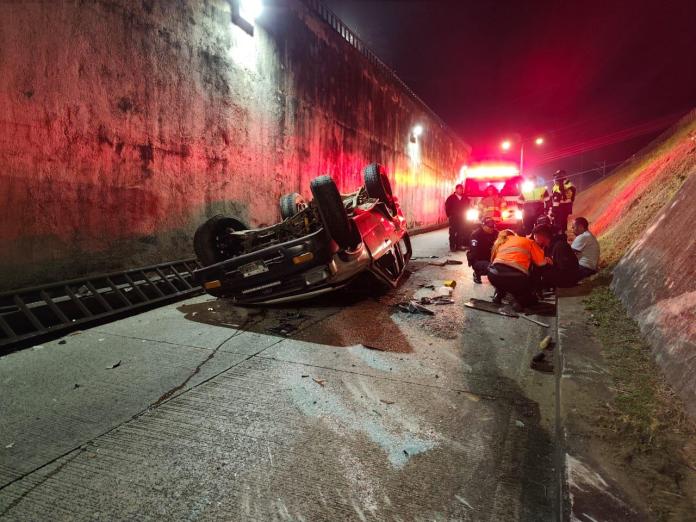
{"points": [[506, 187]]}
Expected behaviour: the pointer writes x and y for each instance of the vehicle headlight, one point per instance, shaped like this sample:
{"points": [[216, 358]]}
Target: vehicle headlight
{"points": [[472, 214], [518, 214]]}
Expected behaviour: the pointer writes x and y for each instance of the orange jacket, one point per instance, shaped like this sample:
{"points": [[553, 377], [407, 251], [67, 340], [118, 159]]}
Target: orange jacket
{"points": [[519, 252]]}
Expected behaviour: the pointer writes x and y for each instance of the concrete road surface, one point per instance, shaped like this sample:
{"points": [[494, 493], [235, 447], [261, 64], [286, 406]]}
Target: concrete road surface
{"points": [[203, 411]]}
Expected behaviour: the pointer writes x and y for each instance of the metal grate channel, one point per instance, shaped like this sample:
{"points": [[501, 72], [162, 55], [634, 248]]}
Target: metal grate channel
{"points": [[52, 310]]}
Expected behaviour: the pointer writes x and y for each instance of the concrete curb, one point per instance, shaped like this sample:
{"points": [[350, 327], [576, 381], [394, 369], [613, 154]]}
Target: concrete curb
{"points": [[589, 486]]}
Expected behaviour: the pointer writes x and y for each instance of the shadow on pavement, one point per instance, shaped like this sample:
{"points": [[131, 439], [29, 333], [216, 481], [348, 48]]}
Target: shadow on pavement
{"points": [[354, 315]]}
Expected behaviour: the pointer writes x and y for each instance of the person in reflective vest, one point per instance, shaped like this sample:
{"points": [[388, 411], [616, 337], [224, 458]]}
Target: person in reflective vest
{"points": [[492, 204], [534, 201], [562, 197], [510, 270]]}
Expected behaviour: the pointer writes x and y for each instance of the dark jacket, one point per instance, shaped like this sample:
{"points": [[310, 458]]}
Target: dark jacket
{"points": [[481, 245], [455, 207], [565, 266]]}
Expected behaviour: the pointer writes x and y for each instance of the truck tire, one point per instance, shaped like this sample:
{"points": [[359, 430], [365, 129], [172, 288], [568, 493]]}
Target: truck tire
{"points": [[378, 186], [206, 240], [291, 204], [333, 213]]}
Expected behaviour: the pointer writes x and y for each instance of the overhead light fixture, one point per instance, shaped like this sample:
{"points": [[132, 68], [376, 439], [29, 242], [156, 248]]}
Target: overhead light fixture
{"points": [[245, 13], [250, 10]]}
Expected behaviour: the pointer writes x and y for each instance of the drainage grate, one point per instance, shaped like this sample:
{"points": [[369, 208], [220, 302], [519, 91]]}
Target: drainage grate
{"points": [[51, 310]]}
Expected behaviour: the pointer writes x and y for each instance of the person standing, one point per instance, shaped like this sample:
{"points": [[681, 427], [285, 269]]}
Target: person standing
{"points": [[480, 247], [562, 197], [586, 248], [534, 201], [455, 208], [492, 204]]}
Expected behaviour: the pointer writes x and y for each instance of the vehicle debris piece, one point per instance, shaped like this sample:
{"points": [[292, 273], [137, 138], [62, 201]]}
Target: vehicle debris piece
{"points": [[450, 282], [283, 329], [446, 262], [487, 306], [387, 402], [62, 341], [320, 382], [115, 365], [412, 307], [523, 316], [9, 446], [436, 300], [370, 347], [545, 343]]}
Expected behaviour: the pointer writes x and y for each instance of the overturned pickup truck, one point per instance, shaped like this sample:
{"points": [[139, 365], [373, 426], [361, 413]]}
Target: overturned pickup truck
{"points": [[319, 246]]}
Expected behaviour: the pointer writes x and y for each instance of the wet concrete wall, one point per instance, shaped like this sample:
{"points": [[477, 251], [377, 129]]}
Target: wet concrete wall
{"points": [[644, 217], [124, 124], [656, 281]]}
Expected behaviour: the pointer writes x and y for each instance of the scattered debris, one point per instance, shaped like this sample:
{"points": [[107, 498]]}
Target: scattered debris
{"points": [[424, 257], [10, 445], [115, 365], [76, 386], [370, 347], [406, 453], [437, 300], [487, 306], [305, 376], [534, 321], [412, 307], [76, 332], [460, 499], [545, 343], [283, 329], [447, 262], [386, 401], [62, 341], [519, 424], [320, 382], [450, 282]]}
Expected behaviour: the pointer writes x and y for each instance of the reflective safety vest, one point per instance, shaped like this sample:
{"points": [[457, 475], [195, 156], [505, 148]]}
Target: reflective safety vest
{"points": [[491, 207], [536, 195], [567, 195], [519, 252]]}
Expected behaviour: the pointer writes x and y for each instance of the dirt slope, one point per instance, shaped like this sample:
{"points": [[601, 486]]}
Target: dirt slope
{"points": [[621, 207]]}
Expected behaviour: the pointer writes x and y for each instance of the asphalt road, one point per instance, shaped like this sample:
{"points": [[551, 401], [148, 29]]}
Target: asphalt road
{"points": [[203, 411]]}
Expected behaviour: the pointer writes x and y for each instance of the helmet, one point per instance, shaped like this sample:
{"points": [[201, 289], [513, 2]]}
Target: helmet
{"points": [[560, 174]]}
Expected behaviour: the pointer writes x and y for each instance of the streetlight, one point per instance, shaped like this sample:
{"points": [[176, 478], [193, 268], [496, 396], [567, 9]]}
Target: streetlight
{"points": [[507, 144]]}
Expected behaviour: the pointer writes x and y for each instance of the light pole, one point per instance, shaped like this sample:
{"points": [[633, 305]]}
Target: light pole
{"points": [[507, 145]]}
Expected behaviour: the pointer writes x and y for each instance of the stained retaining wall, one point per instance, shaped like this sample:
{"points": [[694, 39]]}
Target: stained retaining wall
{"points": [[124, 124]]}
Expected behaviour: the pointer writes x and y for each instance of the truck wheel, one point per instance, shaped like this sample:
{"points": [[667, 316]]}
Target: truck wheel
{"points": [[291, 204], [206, 240], [378, 186], [333, 213]]}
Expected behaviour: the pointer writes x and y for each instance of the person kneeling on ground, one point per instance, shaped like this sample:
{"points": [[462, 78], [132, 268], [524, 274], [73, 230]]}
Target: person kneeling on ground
{"points": [[509, 271], [563, 272], [586, 248], [480, 248]]}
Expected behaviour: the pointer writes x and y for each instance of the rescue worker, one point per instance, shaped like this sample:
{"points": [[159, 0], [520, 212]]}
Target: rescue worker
{"points": [[586, 248], [492, 204], [455, 208], [509, 271], [480, 247], [562, 197], [563, 272], [534, 201]]}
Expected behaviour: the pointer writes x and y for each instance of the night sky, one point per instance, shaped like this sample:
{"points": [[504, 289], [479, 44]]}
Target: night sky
{"points": [[583, 74]]}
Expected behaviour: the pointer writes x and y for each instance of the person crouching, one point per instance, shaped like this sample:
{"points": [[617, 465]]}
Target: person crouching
{"points": [[480, 248], [563, 270], [509, 270]]}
